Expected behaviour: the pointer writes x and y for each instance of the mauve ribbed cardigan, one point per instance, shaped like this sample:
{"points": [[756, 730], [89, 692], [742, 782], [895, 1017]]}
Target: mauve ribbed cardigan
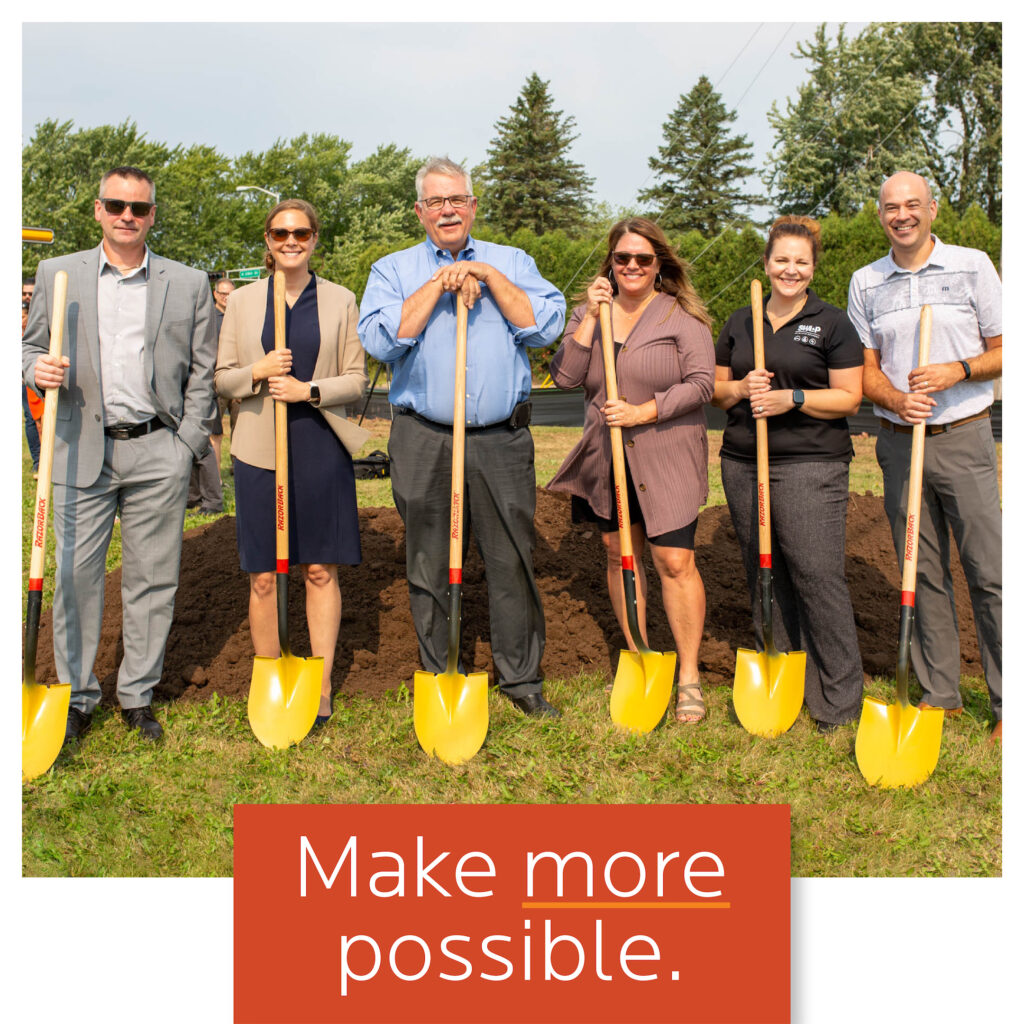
{"points": [[668, 356]]}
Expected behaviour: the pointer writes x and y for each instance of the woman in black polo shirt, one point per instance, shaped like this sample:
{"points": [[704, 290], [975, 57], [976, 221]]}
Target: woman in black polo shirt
{"points": [[811, 382]]}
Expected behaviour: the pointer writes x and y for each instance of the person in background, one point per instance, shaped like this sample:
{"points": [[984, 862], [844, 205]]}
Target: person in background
{"points": [[136, 389], [31, 403], [205, 491], [664, 365], [321, 370], [407, 319], [953, 395], [810, 384]]}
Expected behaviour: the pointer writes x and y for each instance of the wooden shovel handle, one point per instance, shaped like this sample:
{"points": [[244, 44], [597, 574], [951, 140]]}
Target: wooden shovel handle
{"points": [[611, 388], [764, 511], [909, 585], [280, 435], [458, 443], [37, 563]]}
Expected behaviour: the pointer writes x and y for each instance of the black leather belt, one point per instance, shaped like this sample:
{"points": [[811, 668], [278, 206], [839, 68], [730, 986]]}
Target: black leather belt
{"points": [[935, 428], [133, 430], [520, 418]]}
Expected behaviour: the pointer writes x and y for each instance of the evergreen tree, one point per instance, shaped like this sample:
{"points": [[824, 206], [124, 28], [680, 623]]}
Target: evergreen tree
{"points": [[701, 167], [530, 180], [852, 125]]}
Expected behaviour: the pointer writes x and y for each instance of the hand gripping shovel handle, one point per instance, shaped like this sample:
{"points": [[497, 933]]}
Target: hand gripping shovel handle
{"points": [[619, 475], [37, 564], [281, 474], [455, 539], [764, 511], [909, 584]]}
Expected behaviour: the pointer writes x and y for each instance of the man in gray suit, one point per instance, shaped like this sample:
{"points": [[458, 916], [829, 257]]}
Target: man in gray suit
{"points": [[136, 387]]}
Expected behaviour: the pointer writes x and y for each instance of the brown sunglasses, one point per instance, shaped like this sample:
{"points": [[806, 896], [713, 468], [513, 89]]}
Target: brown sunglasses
{"points": [[299, 234], [643, 259]]}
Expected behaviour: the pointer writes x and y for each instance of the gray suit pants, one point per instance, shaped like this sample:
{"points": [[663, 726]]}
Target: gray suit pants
{"points": [[143, 480], [960, 492], [500, 502]]}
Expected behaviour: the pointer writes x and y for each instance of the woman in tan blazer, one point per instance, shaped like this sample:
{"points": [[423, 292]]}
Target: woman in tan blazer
{"points": [[665, 371], [322, 368]]}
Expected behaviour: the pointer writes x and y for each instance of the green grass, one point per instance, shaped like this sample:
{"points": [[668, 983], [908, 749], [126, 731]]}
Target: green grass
{"points": [[117, 805], [120, 805]]}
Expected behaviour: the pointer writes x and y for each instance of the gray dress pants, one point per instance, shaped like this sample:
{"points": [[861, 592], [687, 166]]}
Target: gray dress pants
{"points": [[960, 493], [500, 502], [143, 480], [812, 610]]}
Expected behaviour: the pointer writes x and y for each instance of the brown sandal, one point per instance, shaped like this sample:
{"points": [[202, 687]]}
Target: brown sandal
{"points": [[690, 706]]}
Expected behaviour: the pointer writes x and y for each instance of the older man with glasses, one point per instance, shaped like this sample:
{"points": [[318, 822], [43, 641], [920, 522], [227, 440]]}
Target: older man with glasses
{"points": [[136, 390], [407, 318]]}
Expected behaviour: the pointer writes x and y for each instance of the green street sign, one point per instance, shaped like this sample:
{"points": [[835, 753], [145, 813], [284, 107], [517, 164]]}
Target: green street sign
{"points": [[249, 274]]}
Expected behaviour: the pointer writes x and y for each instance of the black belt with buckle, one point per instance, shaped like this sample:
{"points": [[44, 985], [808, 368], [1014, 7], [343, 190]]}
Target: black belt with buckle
{"points": [[127, 432], [520, 418]]}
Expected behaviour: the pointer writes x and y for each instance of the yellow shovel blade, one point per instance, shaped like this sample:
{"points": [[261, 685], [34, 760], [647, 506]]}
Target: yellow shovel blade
{"points": [[284, 697], [897, 745], [44, 717], [768, 690], [642, 688], [450, 714]]}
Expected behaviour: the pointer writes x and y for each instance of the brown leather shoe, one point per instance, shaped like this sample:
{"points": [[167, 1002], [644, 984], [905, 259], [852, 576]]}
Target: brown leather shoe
{"points": [[996, 736], [950, 712]]}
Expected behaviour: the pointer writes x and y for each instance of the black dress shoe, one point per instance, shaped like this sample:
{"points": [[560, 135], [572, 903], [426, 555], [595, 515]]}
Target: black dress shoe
{"points": [[534, 704], [78, 724], [143, 720]]}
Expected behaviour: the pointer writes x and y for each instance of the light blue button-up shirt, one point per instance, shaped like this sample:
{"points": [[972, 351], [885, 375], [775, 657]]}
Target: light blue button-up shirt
{"points": [[497, 365]]}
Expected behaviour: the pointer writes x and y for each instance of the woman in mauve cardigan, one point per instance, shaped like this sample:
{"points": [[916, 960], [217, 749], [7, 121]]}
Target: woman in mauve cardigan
{"points": [[664, 365]]}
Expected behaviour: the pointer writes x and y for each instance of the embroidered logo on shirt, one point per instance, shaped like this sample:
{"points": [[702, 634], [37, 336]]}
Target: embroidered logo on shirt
{"points": [[806, 334]]}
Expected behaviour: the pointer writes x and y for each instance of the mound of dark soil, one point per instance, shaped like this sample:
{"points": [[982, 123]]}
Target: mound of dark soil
{"points": [[209, 648]]}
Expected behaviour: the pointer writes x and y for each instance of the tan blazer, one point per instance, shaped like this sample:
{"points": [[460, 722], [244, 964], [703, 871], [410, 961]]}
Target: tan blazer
{"points": [[340, 370]]}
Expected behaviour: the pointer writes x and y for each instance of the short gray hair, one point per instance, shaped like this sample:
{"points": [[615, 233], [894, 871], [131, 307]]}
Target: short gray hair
{"points": [[128, 172], [441, 165]]}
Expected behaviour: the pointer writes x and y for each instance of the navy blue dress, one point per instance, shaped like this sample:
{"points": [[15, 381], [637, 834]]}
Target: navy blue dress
{"points": [[323, 518]]}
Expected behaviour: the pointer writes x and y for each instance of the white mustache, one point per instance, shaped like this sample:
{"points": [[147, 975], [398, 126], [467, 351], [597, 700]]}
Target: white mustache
{"points": [[451, 219]]}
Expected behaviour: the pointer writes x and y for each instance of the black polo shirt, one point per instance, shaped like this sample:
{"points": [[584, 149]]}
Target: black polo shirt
{"points": [[818, 339]]}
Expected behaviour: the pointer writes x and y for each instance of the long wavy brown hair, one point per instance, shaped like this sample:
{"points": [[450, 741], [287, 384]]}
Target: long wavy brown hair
{"points": [[675, 271]]}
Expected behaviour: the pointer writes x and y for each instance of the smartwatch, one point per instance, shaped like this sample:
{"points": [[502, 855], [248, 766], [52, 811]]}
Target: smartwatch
{"points": [[798, 398], [314, 394], [967, 369]]}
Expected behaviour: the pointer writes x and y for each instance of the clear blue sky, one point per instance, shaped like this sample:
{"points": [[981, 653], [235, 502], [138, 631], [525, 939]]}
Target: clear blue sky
{"points": [[431, 87]]}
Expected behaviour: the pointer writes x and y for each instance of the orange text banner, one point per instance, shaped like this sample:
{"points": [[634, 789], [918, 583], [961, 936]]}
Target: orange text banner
{"points": [[507, 914]]}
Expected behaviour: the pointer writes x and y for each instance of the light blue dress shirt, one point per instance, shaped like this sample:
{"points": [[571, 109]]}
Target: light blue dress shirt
{"points": [[497, 365]]}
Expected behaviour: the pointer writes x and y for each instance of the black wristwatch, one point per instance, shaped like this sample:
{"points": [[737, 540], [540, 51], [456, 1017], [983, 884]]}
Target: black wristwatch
{"points": [[798, 398], [314, 394]]}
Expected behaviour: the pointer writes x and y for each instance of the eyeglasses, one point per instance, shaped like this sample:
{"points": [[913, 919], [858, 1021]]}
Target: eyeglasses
{"points": [[643, 259], [115, 207], [299, 234], [437, 202]]}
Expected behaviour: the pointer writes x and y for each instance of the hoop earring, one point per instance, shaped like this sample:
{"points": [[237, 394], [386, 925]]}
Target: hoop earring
{"points": [[657, 280], [611, 276]]}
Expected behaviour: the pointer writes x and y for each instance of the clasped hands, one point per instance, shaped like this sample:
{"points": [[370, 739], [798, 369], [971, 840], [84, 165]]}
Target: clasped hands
{"points": [[916, 405], [464, 277], [764, 400], [283, 387]]}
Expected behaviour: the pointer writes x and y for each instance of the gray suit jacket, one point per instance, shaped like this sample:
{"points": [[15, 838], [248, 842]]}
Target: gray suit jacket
{"points": [[179, 354]]}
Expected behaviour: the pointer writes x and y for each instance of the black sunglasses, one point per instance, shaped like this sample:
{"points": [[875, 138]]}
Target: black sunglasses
{"points": [[643, 259], [300, 234], [115, 207]]}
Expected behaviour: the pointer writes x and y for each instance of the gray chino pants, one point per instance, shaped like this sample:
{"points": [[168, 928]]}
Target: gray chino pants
{"points": [[960, 493], [500, 501]]}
